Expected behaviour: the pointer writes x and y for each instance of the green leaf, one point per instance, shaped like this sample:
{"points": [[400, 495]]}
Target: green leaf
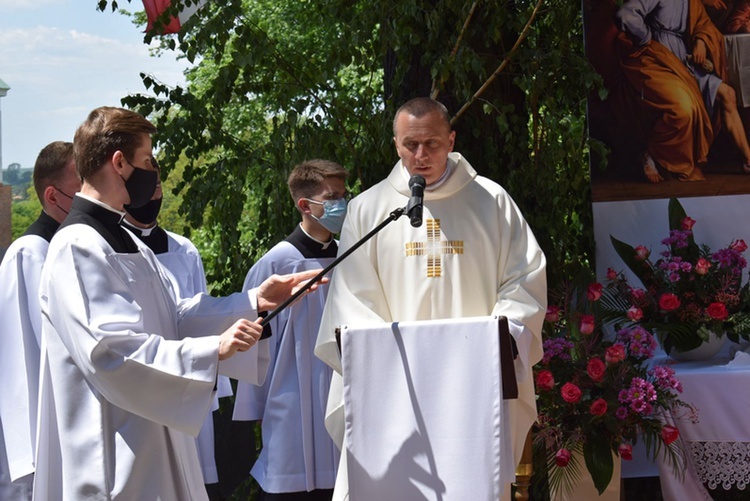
{"points": [[599, 462]]}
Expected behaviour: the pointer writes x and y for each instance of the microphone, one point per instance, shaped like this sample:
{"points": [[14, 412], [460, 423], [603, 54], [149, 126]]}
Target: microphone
{"points": [[414, 208]]}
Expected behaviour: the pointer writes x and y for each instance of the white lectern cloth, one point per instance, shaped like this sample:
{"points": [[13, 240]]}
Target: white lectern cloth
{"points": [[425, 418]]}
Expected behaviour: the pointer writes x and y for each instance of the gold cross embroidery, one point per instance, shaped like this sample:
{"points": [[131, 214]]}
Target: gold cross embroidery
{"points": [[434, 248]]}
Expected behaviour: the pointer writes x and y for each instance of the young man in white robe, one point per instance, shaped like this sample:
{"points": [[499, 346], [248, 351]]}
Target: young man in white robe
{"points": [[55, 182], [298, 460], [129, 370], [497, 267], [184, 267]]}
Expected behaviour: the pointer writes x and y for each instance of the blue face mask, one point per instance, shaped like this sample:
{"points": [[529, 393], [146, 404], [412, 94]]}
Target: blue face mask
{"points": [[334, 212]]}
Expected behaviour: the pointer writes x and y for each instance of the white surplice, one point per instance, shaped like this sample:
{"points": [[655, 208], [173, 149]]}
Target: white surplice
{"points": [[128, 373], [20, 332], [298, 454], [475, 255], [184, 267]]}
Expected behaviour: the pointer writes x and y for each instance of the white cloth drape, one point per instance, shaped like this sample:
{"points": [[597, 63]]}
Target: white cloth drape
{"points": [[424, 412]]}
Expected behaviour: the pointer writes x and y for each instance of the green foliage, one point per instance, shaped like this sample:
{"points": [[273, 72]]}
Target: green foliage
{"points": [[276, 82], [24, 212]]}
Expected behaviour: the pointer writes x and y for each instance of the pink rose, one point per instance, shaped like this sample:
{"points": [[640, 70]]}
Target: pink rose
{"points": [[570, 393], [702, 266], [594, 292], [614, 354], [625, 451], [635, 314], [669, 302], [545, 380], [598, 407], [669, 434], [587, 324], [611, 274], [553, 314], [717, 311], [596, 369], [562, 458], [641, 253], [637, 294], [687, 223], [738, 246]]}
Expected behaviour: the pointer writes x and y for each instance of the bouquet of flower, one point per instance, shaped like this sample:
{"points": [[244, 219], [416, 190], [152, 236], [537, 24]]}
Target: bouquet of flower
{"points": [[597, 396], [687, 293]]}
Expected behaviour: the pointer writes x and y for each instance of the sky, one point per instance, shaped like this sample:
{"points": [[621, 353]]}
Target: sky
{"points": [[63, 58]]}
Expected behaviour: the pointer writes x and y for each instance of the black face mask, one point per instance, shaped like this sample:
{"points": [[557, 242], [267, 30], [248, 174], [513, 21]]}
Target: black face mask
{"points": [[141, 186], [147, 213]]}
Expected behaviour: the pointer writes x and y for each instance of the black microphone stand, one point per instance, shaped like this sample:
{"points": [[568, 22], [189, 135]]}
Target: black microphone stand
{"points": [[397, 213]]}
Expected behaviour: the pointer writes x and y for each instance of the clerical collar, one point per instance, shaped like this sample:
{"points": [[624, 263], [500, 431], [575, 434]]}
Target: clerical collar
{"points": [[102, 218], [310, 247], [323, 244], [442, 179], [45, 227], [155, 237], [100, 203], [140, 232]]}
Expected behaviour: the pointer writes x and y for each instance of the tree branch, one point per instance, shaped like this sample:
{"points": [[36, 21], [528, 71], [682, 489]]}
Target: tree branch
{"points": [[503, 64], [435, 88]]}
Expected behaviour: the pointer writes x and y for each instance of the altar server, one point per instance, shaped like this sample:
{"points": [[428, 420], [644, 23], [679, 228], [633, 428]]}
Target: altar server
{"points": [[184, 267], [298, 460], [128, 369], [55, 182]]}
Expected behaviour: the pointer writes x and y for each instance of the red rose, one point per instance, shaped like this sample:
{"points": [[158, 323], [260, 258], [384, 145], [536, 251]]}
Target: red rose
{"points": [[570, 393], [702, 266], [738, 246], [635, 314], [545, 380], [717, 311], [587, 324], [625, 451], [669, 434], [553, 314], [669, 302], [688, 223], [562, 457], [598, 407], [614, 354], [594, 292], [611, 274], [596, 369], [641, 253]]}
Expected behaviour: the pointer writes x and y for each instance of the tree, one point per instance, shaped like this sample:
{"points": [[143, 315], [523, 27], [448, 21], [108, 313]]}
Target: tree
{"points": [[279, 81]]}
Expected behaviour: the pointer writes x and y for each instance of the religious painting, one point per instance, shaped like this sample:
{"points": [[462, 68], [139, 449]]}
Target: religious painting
{"points": [[676, 117]]}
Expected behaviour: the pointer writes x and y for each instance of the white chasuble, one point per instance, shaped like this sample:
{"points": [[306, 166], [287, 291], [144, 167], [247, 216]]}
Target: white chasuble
{"points": [[298, 454], [128, 373], [474, 256], [425, 418]]}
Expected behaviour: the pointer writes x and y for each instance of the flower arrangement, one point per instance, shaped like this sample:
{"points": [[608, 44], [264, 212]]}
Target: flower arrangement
{"points": [[688, 293], [597, 397]]}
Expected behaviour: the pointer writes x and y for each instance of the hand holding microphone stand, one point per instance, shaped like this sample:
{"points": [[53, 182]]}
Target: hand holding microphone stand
{"points": [[413, 210]]}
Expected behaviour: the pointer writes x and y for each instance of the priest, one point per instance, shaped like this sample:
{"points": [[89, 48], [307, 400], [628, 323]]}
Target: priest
{"points": [[128, 369], [475, 255], [55, 182]]}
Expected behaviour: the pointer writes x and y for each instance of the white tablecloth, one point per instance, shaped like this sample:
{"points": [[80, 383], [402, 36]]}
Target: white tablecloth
{"points": [[719, 443]]}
